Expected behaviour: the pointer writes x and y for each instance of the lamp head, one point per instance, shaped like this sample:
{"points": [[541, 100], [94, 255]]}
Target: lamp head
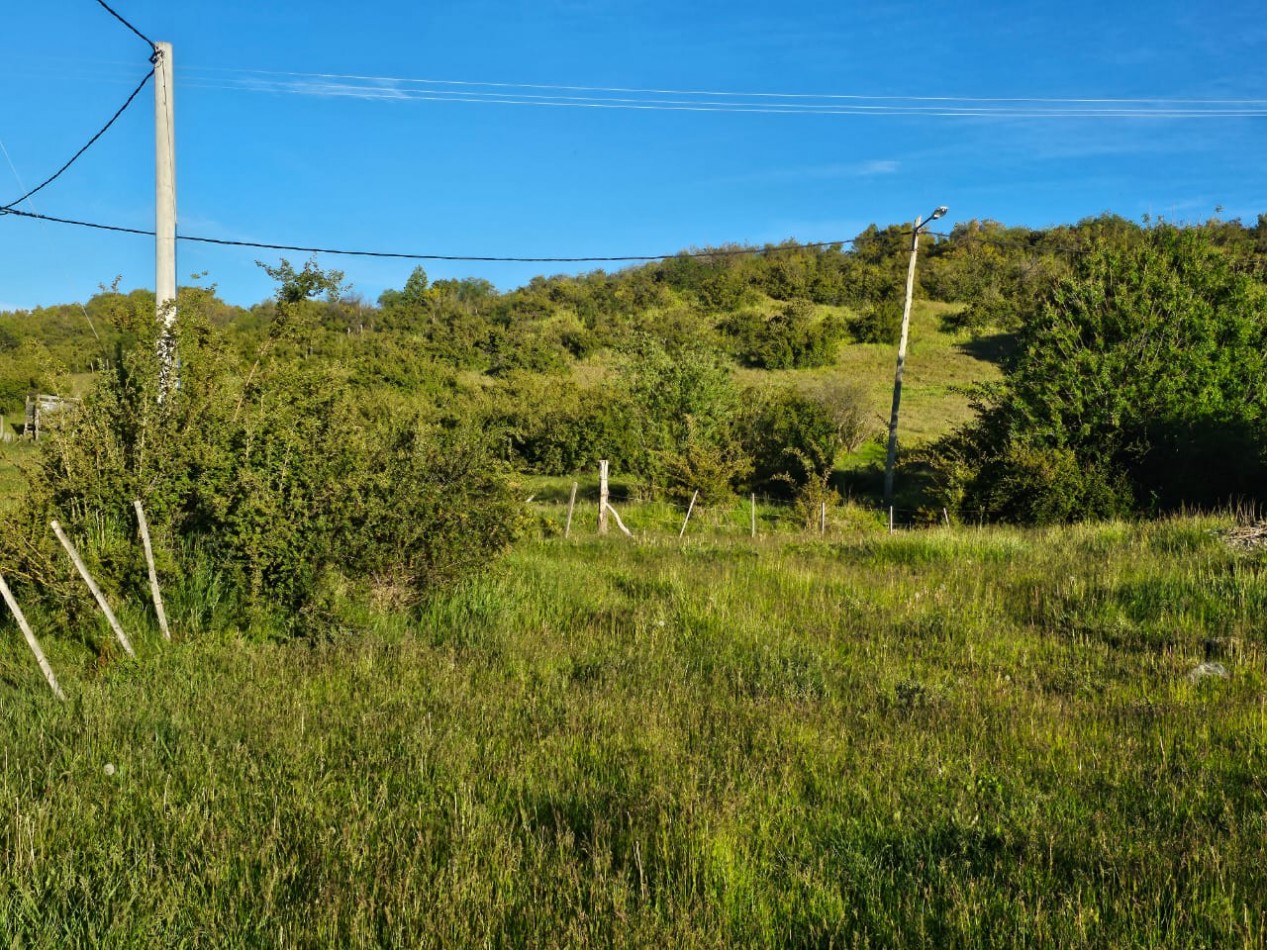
{"points": [[938, 213]]}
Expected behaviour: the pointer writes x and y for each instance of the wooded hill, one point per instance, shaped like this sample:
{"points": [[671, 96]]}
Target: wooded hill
{"points": [[664, 340]]}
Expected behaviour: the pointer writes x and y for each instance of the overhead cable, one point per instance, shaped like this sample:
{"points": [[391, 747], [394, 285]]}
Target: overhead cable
{"points": [[625, 258], [727, 94], [388, 88], [148, 42], [8, 209]]}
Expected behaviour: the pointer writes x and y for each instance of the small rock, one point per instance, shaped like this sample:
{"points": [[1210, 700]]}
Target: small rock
{"points": [[1203, 670], [109, 769]]}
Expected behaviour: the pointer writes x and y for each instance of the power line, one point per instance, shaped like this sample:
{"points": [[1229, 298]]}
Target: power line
{"points": [[1061, 100], [8, 209], [626, 258], [148, 42], [392, 91], [18, 178]]}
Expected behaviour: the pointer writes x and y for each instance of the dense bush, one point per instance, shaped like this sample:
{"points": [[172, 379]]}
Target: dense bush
{"points": [[555, 426], [276, 471], [790, 437], [1143, 381], [791, 338], [881, 322]]}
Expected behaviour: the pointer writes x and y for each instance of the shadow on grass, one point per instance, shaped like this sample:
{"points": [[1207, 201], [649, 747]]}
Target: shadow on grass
{"points": [[996, 348]]}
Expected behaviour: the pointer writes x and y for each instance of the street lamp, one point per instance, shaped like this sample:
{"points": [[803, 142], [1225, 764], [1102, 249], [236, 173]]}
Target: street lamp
{"points": [[920, 225]]}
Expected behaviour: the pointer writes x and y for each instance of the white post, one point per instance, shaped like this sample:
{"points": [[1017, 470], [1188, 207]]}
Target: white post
{"points": [[890, 519], [753, 510], [165, 208], [689, 509], [946, 516], [571, 505], [822, 519], [149, 561], [92, 586], [30, 639], [602, 496]]}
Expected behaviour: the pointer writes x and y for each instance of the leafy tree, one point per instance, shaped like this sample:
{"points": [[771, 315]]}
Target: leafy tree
{"points": [[683, 410]]}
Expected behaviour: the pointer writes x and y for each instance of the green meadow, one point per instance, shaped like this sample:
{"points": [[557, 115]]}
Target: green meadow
{"points": [[953, 737]]}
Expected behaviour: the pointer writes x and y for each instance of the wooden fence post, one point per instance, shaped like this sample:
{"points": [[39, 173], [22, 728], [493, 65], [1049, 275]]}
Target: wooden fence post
{"points": [[890, 519], [619, 524], [567, 531], [946, 515], [754, 514], [689, 509], [602, 496], [822, 519], [92, 586], [30, 639], [149, 561]]}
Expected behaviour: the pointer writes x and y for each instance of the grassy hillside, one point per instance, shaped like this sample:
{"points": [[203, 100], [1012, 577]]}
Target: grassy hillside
{"points": [[951, 738], [938, 362]]}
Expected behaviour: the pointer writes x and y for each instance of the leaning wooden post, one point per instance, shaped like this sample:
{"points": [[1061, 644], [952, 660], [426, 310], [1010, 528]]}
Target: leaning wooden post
{"points": [[30, 639], [571, 506], [149, 562], [689, 509], [753, 509], [602, 496], [946, 515], [92, 586], [619, 524]]}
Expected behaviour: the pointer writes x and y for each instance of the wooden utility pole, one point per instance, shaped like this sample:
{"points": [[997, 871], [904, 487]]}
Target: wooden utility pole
{"points": [[165, 211], [920, 224], [901, 365]]}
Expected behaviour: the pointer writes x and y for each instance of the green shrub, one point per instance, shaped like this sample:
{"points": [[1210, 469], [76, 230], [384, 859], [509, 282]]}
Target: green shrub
{"points": [[275, 471], [790, 437], [1141, 383], [791, 338], [879, 323]]}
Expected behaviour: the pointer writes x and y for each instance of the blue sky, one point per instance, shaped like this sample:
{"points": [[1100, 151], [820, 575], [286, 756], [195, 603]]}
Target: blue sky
{"points": [[275, 143]]}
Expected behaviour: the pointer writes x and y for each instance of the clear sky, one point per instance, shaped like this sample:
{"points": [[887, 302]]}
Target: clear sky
{"points": [[466, 145]]}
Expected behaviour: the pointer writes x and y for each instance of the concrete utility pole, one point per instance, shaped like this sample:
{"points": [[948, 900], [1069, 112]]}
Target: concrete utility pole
{"points": [[920, 224], [165, 209]]}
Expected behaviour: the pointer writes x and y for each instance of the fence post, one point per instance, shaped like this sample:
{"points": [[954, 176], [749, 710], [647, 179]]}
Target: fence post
{"points": [[30, 639], [890, 519], [92, 586], [754, 514], [602, 496], [567, 531], [689, 509], [149, 562]]}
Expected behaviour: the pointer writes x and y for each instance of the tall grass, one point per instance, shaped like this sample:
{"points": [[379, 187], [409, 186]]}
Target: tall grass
{"points": [[948, 738]]}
